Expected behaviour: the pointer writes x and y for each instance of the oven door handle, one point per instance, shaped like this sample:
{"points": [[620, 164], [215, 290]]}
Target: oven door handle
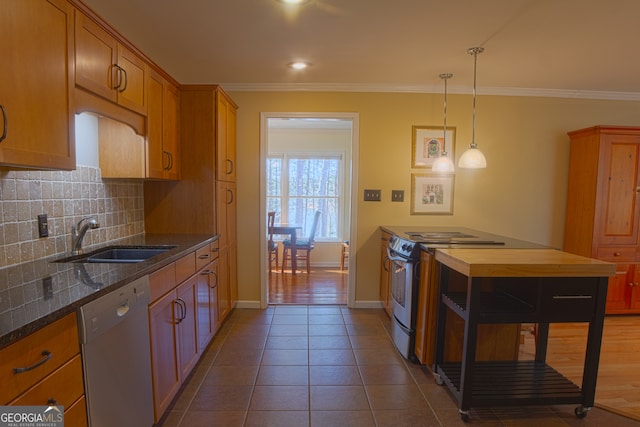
{"points": [[393, 256]]}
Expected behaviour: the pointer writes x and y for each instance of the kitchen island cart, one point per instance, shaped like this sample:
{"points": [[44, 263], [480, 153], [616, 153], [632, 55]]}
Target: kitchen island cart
{"points": [[541, 286]]}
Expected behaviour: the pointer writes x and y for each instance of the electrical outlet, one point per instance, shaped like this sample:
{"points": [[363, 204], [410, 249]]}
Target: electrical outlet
{"points": [[397, 195], [43, 225], [47, 288], [372, 195]]}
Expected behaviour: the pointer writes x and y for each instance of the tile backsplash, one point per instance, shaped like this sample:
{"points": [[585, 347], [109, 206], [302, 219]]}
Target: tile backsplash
{"points": [[66, 197]]}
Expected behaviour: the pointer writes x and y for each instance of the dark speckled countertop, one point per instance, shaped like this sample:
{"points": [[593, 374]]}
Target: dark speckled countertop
{"points": [[28, 304]]}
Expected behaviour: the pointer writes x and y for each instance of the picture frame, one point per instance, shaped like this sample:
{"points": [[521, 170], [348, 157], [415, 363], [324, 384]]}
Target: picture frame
{"points": [[427, 144], [432, 194]]}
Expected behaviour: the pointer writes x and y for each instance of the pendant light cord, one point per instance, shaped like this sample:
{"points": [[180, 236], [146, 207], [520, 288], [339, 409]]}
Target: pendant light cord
{"points": [[474, 51]]}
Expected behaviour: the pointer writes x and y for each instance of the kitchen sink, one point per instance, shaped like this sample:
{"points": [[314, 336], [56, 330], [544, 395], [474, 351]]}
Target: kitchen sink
{"points": [[119, 254]]}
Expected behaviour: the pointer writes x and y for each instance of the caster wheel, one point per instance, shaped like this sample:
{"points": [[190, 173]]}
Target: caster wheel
{"points": [[438, 379], [581, 411], [464, 415]]}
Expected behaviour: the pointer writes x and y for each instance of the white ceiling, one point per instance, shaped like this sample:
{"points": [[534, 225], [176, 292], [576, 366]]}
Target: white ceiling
{"points": [[577, 48]]}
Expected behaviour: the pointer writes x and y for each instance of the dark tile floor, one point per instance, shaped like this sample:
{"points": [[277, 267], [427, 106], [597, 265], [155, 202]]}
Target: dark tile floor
{"points": [[330, 366]]}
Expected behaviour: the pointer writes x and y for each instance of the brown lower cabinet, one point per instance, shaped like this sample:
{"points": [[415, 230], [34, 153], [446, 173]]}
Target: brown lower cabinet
{"points": [[58, 379], [495, 342], [183, 318]]}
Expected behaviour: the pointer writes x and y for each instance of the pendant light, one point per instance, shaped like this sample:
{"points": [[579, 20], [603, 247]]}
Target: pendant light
{"points": [[473, 158], [444, 163]]}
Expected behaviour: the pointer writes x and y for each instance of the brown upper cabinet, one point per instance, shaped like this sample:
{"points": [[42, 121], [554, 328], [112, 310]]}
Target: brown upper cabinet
{"points": [[603, 210], [36, 117], [163, 161], [226, 138], [107, 68]]}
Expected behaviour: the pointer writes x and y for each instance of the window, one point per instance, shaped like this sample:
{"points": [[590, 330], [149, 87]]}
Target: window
{"points": [[299, 185]]}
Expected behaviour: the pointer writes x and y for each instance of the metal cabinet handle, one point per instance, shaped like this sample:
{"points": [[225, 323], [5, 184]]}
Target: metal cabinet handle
{"points": [[46, 355], [230, 168], [215, 250], [183, 310], [126, 79], [215, 282], [169, 160], [204, 256], [5, 123], [230, 192], [384, 263], [119, 72]]}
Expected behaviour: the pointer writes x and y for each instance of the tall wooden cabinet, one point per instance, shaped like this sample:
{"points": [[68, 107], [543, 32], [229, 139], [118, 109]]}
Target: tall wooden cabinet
{"points": [[200, 202], [603, 208], [36, 106]]}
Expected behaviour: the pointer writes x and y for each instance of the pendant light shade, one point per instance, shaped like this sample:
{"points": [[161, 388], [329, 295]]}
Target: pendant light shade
{"points": [[443, 163], [473, 158]]}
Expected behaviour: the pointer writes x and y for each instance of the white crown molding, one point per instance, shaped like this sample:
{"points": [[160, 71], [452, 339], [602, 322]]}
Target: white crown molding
{"points": [[359, 87]]}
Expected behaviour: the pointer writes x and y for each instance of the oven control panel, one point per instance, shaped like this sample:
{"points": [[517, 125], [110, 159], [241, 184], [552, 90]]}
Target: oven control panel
{"points": [[403, 248]]}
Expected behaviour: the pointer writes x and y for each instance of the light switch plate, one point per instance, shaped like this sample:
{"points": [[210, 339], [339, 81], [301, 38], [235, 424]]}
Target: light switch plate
{"points": [[372, 195], [397, 195], [43, 225]]}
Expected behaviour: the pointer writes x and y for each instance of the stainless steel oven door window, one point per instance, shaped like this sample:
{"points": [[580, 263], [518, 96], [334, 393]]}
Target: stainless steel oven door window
{"points": [[398, 282], [402, 290]]}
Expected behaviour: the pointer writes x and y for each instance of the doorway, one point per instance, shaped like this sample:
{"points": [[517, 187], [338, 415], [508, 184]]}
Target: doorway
{"points": [[303, 147]]}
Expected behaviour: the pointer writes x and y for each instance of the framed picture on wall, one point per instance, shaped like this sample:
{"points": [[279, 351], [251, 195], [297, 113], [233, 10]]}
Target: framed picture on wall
{"points": [[428, 144], [432, 194]]}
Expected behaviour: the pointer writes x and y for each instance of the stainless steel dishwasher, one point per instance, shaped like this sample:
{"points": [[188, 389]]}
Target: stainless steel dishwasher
{"points": [[116, 357]]}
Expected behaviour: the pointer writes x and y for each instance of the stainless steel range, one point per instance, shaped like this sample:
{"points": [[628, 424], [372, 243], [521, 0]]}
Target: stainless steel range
{"points": [[405, 278]]}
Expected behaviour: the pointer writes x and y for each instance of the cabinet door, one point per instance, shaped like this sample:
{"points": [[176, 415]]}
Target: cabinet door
{"points": [[131, 90], [155, 133], [164, 354], [225, 139], [224, 298], [187, 326], [96, 56], [618, 212], [428, 295], [36, 121], [633, 296], [171, 131], [619, 288], [385, 276], [207, 312]]}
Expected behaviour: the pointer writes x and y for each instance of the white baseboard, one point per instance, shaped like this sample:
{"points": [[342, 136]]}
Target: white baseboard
{"points": [[248, 304]]}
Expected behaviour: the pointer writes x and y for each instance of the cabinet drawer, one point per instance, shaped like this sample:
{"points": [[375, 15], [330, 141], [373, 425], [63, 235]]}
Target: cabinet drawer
{"points": [[64, 385], [572, 300], [162, 281], [203, 257], [616, 254], [185, 267], [76, 414], [52, 345]]}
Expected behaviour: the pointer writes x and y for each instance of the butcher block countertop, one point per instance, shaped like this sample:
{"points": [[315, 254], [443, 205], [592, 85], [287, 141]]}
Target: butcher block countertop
{"points": [[522, 263]]}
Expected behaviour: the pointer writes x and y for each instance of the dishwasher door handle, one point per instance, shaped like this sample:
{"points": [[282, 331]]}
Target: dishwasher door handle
{"points": [[122, 310]]}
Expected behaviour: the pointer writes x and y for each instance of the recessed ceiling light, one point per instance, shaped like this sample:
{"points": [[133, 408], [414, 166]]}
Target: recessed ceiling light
{"points": [[298, 65], [294, 2]]}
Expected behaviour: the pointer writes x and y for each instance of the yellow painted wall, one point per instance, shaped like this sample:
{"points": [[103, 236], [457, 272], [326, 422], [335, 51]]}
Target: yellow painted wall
{"points": [[521, 194]]}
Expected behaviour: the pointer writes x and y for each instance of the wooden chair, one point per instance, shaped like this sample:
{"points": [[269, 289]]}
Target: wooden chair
{"points": [[304, 246], [345, 254], [271, 245]]}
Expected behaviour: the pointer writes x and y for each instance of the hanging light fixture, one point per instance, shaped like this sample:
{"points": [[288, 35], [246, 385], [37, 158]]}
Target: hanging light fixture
{"points": [[473, 158], [444, 163]]}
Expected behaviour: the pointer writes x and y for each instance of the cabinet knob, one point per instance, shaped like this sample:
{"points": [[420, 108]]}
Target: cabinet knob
{"points": [[637, 189], [617, 254]]}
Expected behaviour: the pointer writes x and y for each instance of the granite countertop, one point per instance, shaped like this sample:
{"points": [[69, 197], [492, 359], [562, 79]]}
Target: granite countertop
{"points": [[37, 293]]}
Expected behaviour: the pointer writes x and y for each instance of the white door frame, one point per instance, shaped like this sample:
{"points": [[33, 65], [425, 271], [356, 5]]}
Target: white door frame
{"points": [[264, 266]]}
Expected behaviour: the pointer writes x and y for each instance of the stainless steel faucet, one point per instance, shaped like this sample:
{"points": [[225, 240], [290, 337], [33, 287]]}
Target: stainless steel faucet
{"points": [[79, 230]]}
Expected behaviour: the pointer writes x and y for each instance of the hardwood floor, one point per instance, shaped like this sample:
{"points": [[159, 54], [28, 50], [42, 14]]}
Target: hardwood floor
{"points": [[321, 286], [618, 386]]}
